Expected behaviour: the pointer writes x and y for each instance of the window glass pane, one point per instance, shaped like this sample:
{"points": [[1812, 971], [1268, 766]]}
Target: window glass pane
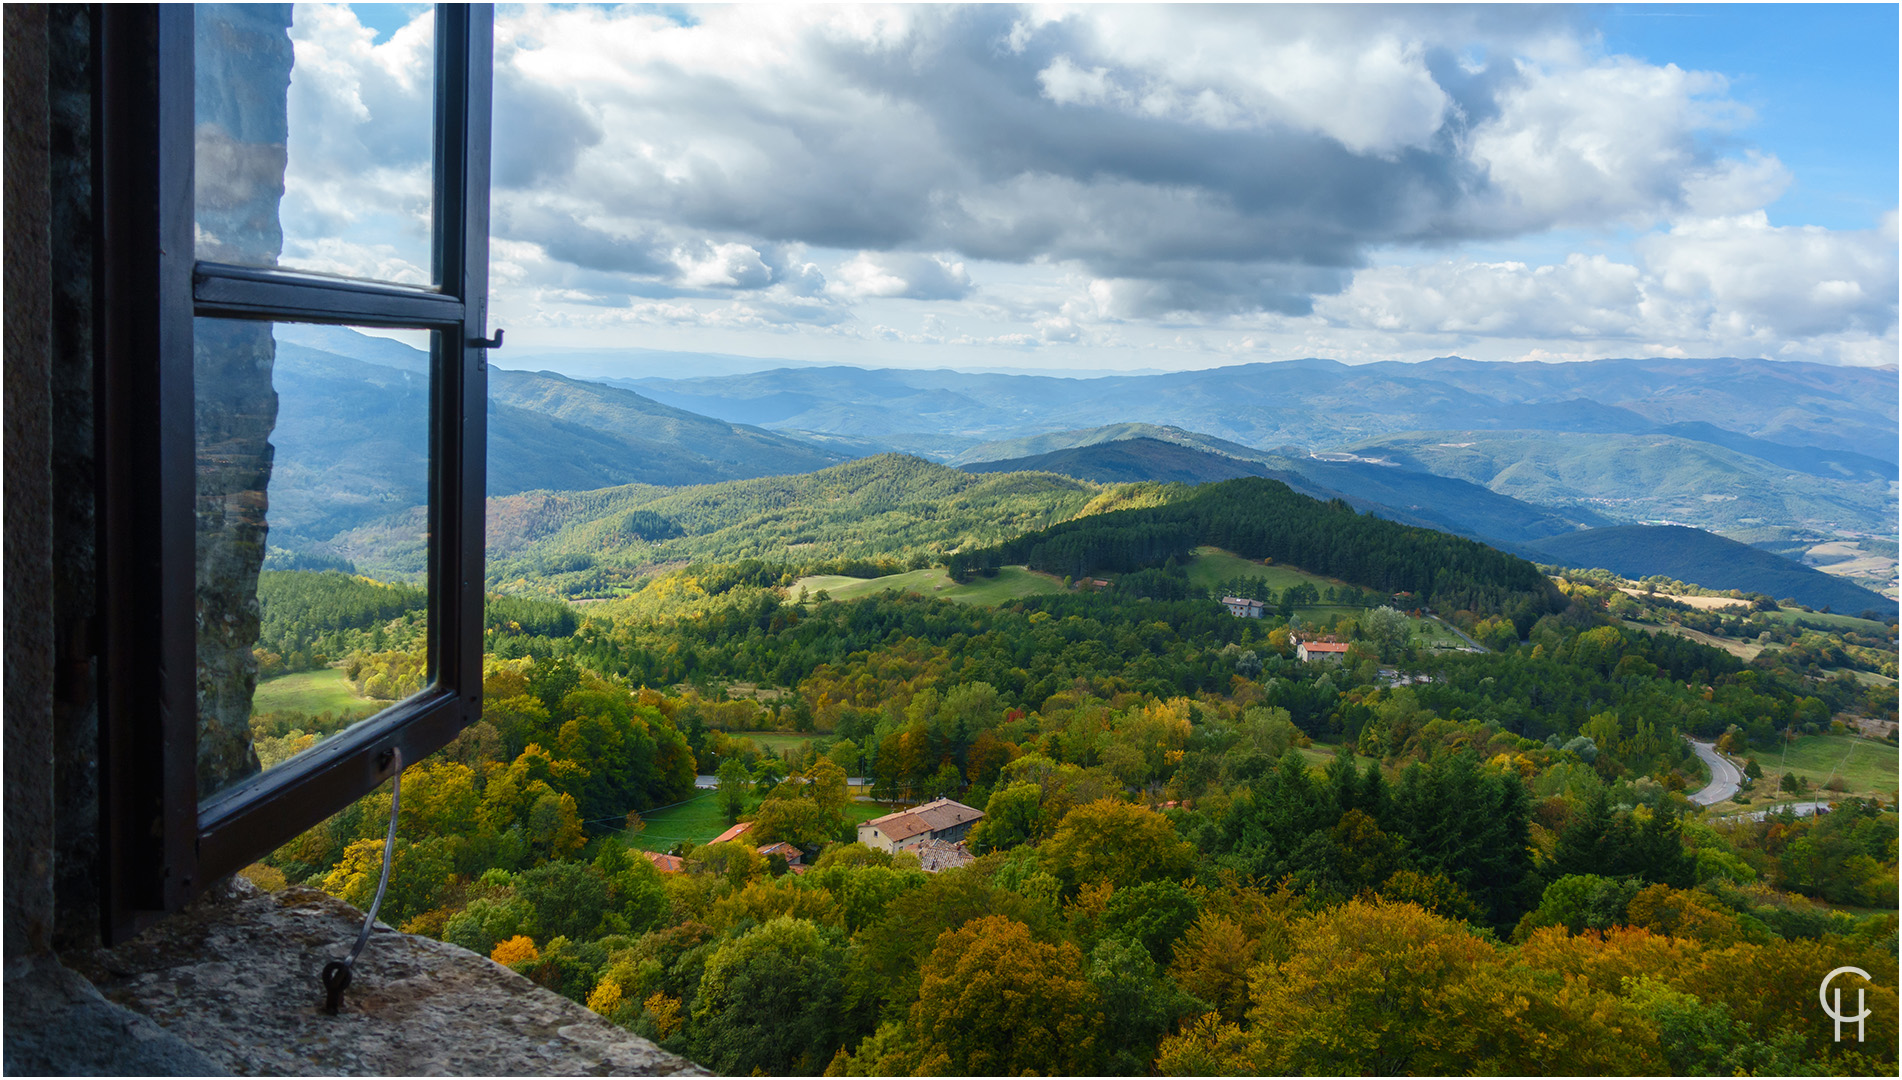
{"points": [[313, 447], [314, 137]]}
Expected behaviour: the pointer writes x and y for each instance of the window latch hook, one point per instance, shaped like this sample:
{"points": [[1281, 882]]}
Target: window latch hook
{"points": [[486, 343]]}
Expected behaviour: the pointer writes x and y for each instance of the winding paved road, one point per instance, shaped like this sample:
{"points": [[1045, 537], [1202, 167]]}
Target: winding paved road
{"points": [[1724, 777]]}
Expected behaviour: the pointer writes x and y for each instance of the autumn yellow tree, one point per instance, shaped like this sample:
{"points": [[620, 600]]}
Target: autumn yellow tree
{"points": [[514, 950], [994, 1001], [1116, 842], [1386, 987]]}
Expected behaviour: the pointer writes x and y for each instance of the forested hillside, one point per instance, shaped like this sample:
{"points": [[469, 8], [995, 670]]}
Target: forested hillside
{"points": [[1195, 850], [900, 511], [1265, 519], [1673, 551]]}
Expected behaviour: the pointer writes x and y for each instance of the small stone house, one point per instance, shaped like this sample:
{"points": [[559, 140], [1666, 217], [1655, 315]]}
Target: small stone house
{"points": [[1243, 608], [940, 819], [1312, 651], [734, 833], [791, 854]]}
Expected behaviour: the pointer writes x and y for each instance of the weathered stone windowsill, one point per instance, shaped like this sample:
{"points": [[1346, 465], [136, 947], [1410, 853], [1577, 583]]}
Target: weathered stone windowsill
{"points": [[235, 977]]}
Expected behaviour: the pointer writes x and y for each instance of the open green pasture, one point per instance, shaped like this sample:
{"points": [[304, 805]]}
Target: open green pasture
{"points": [[1433, 634], [1831, 620], [326, 690], [1868, 766], [1743, 650], [1011, 583], [699, 819], [1321, 755], [1212, 566]]}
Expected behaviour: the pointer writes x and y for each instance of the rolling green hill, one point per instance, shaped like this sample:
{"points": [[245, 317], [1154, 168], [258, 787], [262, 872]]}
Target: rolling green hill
{"points": [[351, 454], [1259, 518], [1692, 555], [904, 509]]}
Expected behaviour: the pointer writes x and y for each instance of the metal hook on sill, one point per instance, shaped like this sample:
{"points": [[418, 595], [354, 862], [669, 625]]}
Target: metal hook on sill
{"points": [[487, 343], [336, 976]]}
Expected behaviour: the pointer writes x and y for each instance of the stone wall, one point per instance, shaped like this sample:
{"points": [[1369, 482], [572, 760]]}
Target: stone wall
{"points": [[28, 511], [242, 85], [235, 977]]}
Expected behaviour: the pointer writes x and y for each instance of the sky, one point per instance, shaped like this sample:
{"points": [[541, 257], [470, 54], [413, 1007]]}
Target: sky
{"points": [[1139, 187]]}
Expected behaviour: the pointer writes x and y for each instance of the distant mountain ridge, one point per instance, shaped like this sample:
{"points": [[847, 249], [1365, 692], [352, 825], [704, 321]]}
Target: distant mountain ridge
{"points": [[351, 438], [1135, 452], [1319, 403], [1701, 558]]}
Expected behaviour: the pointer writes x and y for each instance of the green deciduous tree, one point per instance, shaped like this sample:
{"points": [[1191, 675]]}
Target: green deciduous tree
{"points": [[771, 1000]]}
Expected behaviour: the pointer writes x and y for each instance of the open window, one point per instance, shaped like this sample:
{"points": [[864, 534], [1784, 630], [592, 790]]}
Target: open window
{"points": [[204, 306]]}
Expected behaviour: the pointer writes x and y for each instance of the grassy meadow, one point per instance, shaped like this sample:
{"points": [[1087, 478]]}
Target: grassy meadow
{"points": [[1212, 566], [326, 690], [1868, 766], [1743, 650], [699, 819], [1011, 583]]}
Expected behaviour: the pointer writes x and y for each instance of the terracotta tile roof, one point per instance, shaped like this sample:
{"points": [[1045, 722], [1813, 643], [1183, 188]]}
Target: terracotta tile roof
{"points": [[935, 816], [732, 834], [666, 864], [791, 853]]}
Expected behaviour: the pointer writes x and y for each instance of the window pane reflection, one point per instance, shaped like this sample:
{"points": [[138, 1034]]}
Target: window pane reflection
{"points": [[313, 535], [314, 137]]}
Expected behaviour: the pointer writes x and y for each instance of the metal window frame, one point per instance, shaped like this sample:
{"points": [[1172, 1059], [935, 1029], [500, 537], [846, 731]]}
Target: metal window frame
{"points": [[160, 845]]}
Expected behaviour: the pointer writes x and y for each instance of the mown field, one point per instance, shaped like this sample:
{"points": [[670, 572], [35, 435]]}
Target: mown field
{"points": [[1011, 583], [328, 690], [1869, 767], [699, 819], [1830, 619], [1212, 566], [1743, 650]]}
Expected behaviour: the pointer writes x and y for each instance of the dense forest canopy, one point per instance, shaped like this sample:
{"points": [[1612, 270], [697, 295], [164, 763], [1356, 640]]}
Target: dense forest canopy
{"points": [[1197, 849], [1265, 519]]}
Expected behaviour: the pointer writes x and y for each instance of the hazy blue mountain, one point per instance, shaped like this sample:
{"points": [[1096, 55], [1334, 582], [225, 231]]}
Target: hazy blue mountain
{"points": [[351, 437], [1645, 478], [1795, 449], [1321, 403], [666, 445], [621, 367], [1702, 558], [1171, 455], [1030, 446], [1128, 461]]}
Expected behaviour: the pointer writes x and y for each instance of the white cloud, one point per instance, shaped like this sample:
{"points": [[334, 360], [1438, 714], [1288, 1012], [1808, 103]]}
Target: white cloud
{"points": [[704, 265], [899, 274], [1584, 296], [1126, 169], [358, 175], [1614, 141], [1717, 285], [1368, 87], [1750, 280]]}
